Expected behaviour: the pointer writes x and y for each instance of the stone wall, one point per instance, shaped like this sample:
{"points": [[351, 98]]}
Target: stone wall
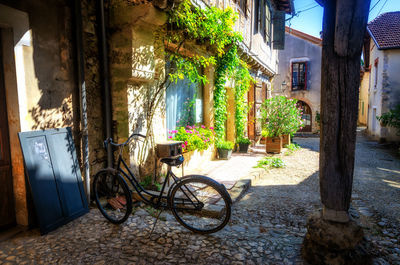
{"points": [[44, 90], [93, 82]]}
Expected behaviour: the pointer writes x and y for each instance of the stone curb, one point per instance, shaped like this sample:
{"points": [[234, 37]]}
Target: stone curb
{"points": [[243, 184]]}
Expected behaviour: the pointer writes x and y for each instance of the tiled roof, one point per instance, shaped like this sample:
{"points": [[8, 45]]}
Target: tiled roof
{"points": [[385, 30]]}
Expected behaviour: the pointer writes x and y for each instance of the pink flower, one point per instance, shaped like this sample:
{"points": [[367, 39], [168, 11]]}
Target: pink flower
{"points": [[183, 146], [189, 127], [202, 126], [211, 128], [170, 137], [186, 142]]}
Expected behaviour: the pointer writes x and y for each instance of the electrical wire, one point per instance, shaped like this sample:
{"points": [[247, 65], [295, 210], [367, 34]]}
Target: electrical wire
{"points": [[298, 12], [374, 5], [382, 8]]}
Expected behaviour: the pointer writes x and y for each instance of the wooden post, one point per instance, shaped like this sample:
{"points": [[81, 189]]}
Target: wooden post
{"points": [[343, 33], [332, 238]]}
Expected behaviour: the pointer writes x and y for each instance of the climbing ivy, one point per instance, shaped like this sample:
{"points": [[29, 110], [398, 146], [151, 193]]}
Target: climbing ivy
{"points": [[242, 84], [213, 27]]}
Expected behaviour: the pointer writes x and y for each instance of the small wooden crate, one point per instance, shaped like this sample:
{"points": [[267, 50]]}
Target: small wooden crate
{"points": [[285, 140], [274, 144], [169, 149]]}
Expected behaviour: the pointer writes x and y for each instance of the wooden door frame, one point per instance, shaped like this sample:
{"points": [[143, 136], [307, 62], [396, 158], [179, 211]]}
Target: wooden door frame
{"points": [[14, 125], [6, 167]]}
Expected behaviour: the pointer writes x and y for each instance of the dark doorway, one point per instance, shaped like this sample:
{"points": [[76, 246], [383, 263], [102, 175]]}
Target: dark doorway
{"points": [[306, 116], [7, 210]]}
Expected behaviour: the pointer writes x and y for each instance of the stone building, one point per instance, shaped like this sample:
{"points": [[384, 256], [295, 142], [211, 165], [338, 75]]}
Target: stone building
{"points": [[383, 55], [299, 74], [92, 65]]}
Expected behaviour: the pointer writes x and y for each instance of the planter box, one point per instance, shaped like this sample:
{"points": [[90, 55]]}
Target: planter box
{"points": [[285, 139], [194, 160], [224, 154], [243, 148], [274, 145]]}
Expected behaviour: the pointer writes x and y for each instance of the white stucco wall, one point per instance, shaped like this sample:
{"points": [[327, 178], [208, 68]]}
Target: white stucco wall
{"points": [[386, 94], [300, 50]]}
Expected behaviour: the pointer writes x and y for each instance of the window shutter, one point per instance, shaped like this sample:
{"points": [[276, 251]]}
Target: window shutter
{"points": [[278, 23]]}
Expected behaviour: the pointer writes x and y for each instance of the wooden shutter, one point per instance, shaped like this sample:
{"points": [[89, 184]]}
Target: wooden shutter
{"points": [[278, 23]]}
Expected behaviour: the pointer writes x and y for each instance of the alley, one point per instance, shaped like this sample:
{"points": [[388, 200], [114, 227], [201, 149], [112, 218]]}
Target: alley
{"points": [[267, 224]]}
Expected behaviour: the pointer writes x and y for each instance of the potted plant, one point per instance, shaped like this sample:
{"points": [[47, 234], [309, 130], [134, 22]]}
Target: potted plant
{"points": [[273, 142], [243, 143], [279, 116], [224, 149], [391, 119]]}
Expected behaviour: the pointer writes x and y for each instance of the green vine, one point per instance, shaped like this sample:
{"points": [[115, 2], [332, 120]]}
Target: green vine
{"points": [[213, 27], [242, 84]]}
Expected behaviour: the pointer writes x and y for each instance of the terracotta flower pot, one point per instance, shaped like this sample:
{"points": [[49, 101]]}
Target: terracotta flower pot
{"points": [[274, 145], [285, 139]]}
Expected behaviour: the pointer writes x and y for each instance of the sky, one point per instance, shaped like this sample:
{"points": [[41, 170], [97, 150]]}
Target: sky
{"points": [[308, 18]]}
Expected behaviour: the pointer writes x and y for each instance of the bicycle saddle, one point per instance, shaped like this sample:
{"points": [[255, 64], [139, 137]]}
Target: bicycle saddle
{"points": [[173, 161]]}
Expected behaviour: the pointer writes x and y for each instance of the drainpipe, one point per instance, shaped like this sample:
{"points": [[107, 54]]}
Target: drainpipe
{"points": [[82, 93], [106, 81]]}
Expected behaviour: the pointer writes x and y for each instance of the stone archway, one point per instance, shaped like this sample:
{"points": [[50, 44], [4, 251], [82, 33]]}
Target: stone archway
{"points": [[306, 116]]}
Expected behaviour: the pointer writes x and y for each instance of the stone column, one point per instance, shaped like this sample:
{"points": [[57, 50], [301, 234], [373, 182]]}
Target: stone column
{"points": [[137, 70]]}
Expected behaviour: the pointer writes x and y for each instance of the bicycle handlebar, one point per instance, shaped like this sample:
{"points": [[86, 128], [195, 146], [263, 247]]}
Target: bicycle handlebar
{"points": [[109, 140]]}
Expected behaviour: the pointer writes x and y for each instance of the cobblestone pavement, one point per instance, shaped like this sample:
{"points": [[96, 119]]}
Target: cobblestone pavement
{"points": [[267, 225]]}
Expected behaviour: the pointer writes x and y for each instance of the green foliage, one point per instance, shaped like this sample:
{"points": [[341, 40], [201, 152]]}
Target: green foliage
{"points": [[214, 27], [293, 147], [280, 116], [391, 118], [318, 118], [242, 84], [188, 114], [209, 24], [148, 184], [243, 140], [193, 137], [270, 162], [225, 145]]}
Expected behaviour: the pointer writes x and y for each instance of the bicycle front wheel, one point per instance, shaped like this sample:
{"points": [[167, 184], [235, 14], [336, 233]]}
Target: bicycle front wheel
{"points": [[112, 196], [200, 204]]}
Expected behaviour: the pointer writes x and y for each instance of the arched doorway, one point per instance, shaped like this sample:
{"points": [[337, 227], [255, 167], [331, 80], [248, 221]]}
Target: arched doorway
{"points": [[306, 116]]}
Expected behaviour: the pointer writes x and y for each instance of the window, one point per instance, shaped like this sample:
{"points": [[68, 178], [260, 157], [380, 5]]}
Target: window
{"points": [[256, 16], [299, 76], [267, 33], [376, 72], [262, 19], [184, 104], [242, 5]]}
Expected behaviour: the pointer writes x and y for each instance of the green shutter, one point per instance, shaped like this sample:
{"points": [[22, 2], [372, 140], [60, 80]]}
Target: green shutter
{"points": [[278, 21]]}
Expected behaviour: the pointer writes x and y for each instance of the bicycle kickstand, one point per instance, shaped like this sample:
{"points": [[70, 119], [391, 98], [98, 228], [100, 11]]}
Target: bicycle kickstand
{"points": [[155, 223]]}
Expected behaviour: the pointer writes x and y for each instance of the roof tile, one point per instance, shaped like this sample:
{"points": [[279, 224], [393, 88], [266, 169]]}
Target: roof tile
{"points": [[385, 30]]}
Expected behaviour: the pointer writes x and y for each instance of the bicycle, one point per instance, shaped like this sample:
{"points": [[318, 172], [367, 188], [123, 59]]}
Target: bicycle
{"points": [[197, 202]]}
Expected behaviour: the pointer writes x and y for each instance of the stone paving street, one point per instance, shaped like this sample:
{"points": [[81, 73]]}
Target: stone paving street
{"points": [[267, 224]]}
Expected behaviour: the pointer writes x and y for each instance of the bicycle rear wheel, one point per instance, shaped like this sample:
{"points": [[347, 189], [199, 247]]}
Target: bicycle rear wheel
{"points": [[112, 196], [200, 204]]}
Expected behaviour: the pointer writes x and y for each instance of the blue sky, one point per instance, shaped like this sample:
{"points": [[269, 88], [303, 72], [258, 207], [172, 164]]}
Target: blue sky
{"points": [[309, 18]]}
